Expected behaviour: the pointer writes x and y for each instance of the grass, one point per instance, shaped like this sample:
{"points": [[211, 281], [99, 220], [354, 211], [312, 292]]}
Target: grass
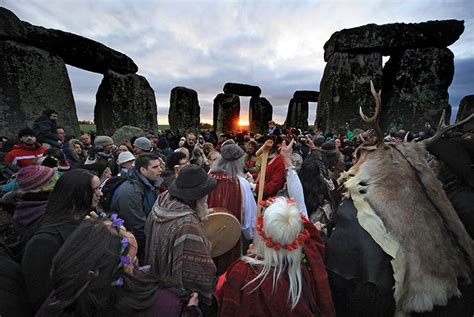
{"points": [[87, 127]]}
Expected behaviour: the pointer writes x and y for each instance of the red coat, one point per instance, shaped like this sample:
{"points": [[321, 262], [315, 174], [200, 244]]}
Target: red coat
{"points": [[275, 177], [23, 155], [315, 300]]}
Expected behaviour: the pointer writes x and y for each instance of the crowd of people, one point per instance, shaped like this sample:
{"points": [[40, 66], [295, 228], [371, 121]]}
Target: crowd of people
{"points": [[94, 228]]}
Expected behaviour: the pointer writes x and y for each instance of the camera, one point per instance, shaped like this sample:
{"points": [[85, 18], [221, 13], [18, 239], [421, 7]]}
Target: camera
{"points": [[303, 140]]}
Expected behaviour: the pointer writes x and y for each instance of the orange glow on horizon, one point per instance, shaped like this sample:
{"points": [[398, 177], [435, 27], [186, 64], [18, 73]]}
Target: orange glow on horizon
{"points": [[243, 123]]}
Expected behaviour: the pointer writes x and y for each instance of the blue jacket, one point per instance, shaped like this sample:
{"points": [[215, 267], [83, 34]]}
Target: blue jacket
{"points": [[133, 201]]}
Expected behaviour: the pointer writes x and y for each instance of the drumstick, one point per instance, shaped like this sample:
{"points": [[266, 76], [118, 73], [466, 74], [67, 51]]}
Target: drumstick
{"points": [[263, 151]]}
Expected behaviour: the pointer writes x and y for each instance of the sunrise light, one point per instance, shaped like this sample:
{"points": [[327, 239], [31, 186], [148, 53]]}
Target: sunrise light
{"points": [[243, 123]]}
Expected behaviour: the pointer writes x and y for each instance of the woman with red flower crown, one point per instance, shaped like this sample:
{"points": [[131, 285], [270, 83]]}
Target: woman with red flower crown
{"points": [[284, 274]]}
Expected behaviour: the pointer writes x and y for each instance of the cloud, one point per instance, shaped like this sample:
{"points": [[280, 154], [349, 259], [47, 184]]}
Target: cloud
{"points": [[277, 45]]}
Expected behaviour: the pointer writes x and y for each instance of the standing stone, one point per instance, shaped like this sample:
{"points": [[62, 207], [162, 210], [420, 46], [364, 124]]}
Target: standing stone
{"points": [[125, 100], [74, 49], [415, 90], [466, 107], [184, 110], [31, 81], [307, 95], [226, 113], [345, 87], [242, 89], [297, 116], [126, 133], [392, 38], [11, 27], [260, 112]]}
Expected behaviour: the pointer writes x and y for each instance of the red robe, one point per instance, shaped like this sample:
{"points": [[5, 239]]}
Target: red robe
{"points": [[315, 298], [227, 194], [275, 177]]}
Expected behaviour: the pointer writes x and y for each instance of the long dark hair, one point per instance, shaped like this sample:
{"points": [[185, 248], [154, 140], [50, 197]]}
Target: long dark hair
{"points": [[83, 273], [71, 198], [312, 179]]}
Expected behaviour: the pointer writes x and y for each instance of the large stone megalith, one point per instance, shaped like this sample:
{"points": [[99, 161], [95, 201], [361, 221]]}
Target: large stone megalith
{"points": [[125, 100], [184, 110], [415, 79], [415, 88], [466, 107], [260, 112], [297, 116], [33, 80], [226, 113], [242, 89], [345, 87]]}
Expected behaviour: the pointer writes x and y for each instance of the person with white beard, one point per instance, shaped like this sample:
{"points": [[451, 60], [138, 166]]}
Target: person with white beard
{"points": [[233, 193], [176, 244]]}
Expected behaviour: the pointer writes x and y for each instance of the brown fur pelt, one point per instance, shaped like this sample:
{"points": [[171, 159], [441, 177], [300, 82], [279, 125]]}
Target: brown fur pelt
{"points": [[402, 205]]}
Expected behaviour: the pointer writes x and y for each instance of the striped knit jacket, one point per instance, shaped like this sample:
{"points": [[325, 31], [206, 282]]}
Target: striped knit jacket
{"points": [[176, 246]]}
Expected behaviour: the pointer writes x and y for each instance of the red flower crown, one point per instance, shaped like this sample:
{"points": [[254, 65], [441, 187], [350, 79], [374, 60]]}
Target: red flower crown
{"points": [[269, 243]]}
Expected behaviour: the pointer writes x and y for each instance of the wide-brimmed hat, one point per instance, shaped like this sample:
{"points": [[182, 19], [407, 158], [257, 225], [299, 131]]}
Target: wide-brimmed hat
{"points": [[192, 183]]}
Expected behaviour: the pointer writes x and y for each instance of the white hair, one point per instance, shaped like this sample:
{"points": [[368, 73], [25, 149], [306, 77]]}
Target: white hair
{"points": [[282, 222], [201, 207], [233, 168]]}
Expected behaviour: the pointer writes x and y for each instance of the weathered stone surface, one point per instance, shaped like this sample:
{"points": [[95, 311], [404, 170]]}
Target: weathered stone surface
{"points": [[31, 81], [345, 87], [260, 112], [125, 133], [466, 107], [79, 51], [125, 100], [297, 116], [184, 110], [415, 88], [306, 95], [11, 27], [226, 113], [392, 38], [242, 89]]}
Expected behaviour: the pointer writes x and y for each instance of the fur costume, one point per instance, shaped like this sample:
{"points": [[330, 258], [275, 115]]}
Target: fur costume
{"points": [[402, 205]]}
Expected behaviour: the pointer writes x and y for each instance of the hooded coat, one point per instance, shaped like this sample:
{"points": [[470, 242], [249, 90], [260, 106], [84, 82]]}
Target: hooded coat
{"points": [[177, 247]]}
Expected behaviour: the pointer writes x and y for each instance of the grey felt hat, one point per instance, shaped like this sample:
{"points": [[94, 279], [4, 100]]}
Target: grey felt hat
{"points": [[231, 152], [103, 141]]}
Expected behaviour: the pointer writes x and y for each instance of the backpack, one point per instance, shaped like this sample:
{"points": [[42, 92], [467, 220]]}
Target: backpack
{"points": [[108, 191]]}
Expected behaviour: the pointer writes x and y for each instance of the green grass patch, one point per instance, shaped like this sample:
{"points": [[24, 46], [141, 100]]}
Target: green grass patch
{"points": [[87, 127]]}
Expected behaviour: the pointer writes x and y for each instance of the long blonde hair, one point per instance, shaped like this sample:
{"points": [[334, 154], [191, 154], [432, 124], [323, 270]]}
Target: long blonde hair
{"points": [[282, 222]]}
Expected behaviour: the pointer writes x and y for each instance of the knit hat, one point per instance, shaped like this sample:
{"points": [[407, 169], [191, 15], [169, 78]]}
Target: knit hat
{"points": [[26, 131], [231, 152], [103, 140], [34, 177], [142, 143], [125, 157]]}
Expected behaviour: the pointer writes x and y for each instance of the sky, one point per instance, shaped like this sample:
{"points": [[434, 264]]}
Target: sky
{"points": [[276, 45]]}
